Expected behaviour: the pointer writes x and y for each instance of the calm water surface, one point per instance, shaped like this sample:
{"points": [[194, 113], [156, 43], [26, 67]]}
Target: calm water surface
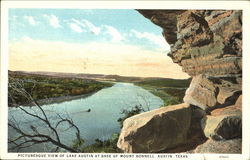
{"points": [[101, 122]]}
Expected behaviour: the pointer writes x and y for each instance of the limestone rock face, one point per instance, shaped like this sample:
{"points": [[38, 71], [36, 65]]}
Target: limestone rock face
{"points": [[156, 130], [203, 41], [209, 42], [165, 19]]}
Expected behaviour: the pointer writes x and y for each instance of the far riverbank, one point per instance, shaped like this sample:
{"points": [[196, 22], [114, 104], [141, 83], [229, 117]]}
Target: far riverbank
{"points": [[57, 100], [24, 88]]}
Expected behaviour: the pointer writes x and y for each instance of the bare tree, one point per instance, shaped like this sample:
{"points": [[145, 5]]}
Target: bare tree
{"points": [[26, 138], [144, 102]]}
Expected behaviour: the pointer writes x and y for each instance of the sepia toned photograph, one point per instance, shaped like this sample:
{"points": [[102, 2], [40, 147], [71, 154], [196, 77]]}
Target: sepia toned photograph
{"points": [[118, 81]]}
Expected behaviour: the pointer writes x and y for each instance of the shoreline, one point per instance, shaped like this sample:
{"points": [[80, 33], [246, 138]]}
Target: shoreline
{"points": [[55, 100]]}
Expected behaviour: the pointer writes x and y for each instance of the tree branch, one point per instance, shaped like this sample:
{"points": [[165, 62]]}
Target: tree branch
{"points": [[27, 139]]}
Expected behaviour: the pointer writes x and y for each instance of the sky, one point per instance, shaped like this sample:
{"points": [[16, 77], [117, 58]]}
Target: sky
{"points": [[98, 41]]}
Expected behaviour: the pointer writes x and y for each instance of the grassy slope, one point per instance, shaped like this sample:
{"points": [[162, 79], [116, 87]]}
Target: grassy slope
{"points": [[171, 91], [41, 87]]}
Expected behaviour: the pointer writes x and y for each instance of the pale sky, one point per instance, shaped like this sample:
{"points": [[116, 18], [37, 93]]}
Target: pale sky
{"points": [[120, 42]]}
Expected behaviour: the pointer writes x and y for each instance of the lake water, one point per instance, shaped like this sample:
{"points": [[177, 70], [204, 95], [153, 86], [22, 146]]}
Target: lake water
{"points": [[106, 106]]}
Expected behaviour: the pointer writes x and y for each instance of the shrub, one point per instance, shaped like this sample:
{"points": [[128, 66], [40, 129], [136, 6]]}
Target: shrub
{"points": [[129, 113]]}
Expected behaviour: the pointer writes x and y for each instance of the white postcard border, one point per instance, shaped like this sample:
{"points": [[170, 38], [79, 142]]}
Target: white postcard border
{"points": [[244, 5]]}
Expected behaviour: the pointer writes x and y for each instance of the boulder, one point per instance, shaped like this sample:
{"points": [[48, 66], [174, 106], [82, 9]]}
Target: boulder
{"points": [[222, 127], [201, 92], [207, 92], [223, 123], [227, 95], [228, 110], [156, 130], [232, 146]]}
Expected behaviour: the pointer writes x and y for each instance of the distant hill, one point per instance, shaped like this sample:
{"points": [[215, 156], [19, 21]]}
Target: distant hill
{"points": [[101, 77]]}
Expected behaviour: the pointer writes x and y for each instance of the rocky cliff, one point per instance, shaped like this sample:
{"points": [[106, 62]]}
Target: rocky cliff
{"points": [[207, 44]]}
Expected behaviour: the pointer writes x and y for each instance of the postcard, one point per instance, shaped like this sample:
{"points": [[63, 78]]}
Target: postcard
{"points": [[124, 80]]}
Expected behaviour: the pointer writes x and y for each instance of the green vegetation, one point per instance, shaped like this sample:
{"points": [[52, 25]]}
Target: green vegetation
{"points": [[165, 82], [107, 146], [42, 87], [78, 144], [129, 113], [171, 91]]}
